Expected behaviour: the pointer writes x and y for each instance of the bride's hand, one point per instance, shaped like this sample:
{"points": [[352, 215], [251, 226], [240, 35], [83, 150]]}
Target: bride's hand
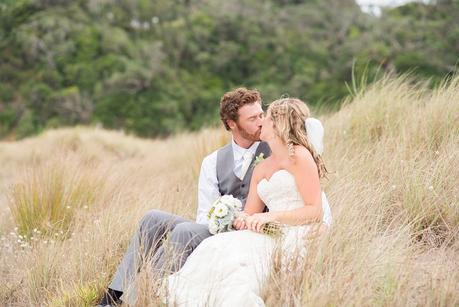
{"points": [[240, 222], [256, 221]]}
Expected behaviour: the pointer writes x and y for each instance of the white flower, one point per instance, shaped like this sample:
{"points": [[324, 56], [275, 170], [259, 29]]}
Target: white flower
{"points": [[231, 201], [227, 219], [220, 210], [237, 204], [259, 158], [226, 199]]}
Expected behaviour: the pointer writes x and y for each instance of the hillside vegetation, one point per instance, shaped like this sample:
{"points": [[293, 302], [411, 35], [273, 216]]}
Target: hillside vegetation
{"points": [[155, 68]]}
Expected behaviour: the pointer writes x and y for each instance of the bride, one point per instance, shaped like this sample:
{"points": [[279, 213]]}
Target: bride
{"points": [[230, 269]]}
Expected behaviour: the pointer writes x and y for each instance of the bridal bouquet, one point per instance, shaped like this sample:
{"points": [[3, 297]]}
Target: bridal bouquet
{"points": [[227, 208], [222, 214]]}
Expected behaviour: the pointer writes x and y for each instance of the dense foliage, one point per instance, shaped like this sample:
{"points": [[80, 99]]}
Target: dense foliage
{"points": [[156, 67]]}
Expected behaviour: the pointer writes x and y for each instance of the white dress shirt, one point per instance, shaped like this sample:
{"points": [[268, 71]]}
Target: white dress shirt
{"points": [[208, 191]]}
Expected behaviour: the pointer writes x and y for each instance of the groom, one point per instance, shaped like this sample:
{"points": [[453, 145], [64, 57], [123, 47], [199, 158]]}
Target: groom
{"points": [[225, 171]]}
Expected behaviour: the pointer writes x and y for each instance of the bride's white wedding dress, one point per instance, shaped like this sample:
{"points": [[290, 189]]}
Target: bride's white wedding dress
{"points": [[230, 269]]}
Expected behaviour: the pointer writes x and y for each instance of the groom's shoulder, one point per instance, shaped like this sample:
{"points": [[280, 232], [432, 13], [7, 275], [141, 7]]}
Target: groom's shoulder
{"points": [[212, 157], [264, 148]]}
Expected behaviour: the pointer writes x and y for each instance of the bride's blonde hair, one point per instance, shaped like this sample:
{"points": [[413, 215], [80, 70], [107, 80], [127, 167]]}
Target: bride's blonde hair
{"points": [[289, 116]]}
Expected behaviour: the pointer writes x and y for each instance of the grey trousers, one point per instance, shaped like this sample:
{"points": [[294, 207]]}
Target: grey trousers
{"points": [[155, 228]]}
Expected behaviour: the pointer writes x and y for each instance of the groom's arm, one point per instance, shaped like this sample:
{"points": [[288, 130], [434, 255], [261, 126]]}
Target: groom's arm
{"points": [[207, 187]]}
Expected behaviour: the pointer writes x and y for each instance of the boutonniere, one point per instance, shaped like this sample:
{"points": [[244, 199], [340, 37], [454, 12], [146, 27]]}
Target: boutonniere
{"points": [[258, 159]]}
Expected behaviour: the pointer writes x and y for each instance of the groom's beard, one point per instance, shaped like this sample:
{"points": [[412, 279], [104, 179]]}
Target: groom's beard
{"points": [[255, 137]]}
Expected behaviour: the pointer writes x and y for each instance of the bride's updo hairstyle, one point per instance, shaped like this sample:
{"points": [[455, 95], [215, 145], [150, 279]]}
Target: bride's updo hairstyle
{"points": [[289, 116]]}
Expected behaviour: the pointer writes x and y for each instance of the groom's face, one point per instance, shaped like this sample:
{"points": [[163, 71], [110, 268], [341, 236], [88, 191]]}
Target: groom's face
{"points": [[249, 122]]}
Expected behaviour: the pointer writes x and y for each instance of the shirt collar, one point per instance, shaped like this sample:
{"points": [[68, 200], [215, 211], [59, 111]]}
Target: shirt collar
{"points": [[239, 151]]}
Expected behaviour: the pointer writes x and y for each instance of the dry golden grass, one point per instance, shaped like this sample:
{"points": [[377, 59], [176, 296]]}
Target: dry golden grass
{"points": [[393, 151]]}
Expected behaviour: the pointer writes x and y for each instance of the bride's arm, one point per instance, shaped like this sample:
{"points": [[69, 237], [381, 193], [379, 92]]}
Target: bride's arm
{"points": [[304, 170]]}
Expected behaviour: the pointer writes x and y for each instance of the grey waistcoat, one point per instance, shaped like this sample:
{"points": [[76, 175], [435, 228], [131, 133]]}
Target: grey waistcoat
{"points": [[228, 182]]}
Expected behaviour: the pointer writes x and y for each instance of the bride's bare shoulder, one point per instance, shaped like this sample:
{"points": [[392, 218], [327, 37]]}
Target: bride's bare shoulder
{"points": [[302, 153], [302, 159]]}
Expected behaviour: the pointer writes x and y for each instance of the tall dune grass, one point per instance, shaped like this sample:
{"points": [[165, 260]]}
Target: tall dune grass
{"points": [[393, 153], [47, 197]]}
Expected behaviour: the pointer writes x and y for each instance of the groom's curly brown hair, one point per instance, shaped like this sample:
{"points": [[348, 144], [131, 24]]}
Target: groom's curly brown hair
{"points": [[232, 101]]}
